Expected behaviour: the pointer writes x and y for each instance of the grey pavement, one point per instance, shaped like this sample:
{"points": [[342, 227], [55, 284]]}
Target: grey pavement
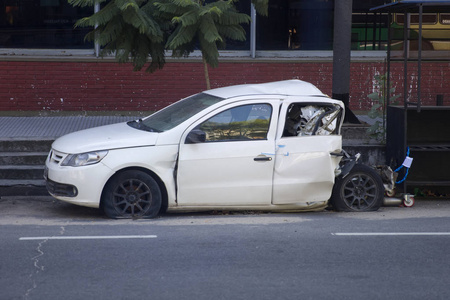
{"points": [[52, 127], [49, 128]]}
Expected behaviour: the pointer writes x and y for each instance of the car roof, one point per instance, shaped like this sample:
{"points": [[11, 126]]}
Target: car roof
{"points": [[292, 87]]}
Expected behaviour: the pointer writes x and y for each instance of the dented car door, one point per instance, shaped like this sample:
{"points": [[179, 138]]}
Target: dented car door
{"points": [[304, 169]]}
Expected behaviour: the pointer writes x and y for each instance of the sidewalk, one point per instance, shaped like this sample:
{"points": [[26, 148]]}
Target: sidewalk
{"points": [[50, 128]]}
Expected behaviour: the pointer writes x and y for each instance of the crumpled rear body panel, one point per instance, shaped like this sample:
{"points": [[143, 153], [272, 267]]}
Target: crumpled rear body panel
{"points": [[304, 169]]}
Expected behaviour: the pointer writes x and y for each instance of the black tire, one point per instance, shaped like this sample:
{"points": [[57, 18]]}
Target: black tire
{"points": [[131, 194], [361, 190]]}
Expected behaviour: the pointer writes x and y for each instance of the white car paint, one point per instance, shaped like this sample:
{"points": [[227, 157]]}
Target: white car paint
{"points": [[297, 173], [285, 88], [104, 137]]}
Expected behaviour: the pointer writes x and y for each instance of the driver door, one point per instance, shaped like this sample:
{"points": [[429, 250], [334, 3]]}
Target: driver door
{"points": [[233, 166]]}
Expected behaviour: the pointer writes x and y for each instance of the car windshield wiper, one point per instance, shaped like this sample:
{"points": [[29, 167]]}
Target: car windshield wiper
{"points": [[141, 126]]}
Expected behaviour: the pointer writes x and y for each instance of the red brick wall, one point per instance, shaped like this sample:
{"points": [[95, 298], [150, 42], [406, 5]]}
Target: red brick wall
{"points": [[108, 86]]}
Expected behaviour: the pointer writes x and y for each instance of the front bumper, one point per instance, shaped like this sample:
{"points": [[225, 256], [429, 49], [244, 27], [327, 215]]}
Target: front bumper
{"points": [[61, 189], [77, 185]]}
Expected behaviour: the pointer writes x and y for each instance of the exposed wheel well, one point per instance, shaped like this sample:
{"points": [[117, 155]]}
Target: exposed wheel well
{"points": [[158, 180]]}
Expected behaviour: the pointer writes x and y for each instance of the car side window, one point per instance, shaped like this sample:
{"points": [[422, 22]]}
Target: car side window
{"points": [[246, 122], [306, 120]]}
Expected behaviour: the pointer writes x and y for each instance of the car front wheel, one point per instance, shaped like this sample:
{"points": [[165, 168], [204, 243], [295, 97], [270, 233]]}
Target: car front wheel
{"points": [[131, 194], [360, 190]]}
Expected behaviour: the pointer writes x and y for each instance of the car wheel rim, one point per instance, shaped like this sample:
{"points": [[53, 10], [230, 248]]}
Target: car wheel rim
{"points": [[132, 198], [360, 192]]}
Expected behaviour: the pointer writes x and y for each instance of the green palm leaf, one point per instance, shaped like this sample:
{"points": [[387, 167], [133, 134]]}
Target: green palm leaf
{"points": [[140, 30]]}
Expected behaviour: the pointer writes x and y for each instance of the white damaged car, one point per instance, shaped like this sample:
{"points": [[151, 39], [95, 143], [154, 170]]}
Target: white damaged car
{"points": [[273, 146]]}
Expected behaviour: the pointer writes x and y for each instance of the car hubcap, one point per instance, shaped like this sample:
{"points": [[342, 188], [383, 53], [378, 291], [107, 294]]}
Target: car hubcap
{"points": [[359, 192], [132, 198]]}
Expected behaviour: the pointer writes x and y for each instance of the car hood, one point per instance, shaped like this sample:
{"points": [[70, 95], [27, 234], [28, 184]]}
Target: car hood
{"points": [[104, 138]]}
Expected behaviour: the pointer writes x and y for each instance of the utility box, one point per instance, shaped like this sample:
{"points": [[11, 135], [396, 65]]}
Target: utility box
{"points": [[427, 135]]}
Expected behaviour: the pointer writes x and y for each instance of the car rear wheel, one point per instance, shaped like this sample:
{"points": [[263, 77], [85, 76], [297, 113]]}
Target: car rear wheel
{"points": [[131, 194], [360, 190]]}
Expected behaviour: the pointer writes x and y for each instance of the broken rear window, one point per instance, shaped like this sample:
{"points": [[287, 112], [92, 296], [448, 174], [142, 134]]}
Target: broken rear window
{"points": [[312, 119]]}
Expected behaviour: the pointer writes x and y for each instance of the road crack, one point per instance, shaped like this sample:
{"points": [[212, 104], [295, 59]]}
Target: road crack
{"points": [[38, 268]]}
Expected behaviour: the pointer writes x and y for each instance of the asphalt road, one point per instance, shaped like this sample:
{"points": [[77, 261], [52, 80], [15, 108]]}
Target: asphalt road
{"points": [[53, 250]]}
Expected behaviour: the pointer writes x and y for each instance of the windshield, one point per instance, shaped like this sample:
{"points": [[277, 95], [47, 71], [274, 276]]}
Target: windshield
{"points": [[176, 113]]}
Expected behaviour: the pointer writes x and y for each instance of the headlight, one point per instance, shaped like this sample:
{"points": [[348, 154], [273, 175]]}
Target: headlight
{"points": [[84, 159]]}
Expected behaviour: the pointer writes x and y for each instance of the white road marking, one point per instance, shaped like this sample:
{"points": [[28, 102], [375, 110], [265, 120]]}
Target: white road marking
{"points": [[390, 233], [101, 237]]}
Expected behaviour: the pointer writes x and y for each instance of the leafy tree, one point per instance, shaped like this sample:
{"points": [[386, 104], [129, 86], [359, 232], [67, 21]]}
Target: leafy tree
{"points": [[129, 29], [137, 30], [206, 25], [261, 7]]}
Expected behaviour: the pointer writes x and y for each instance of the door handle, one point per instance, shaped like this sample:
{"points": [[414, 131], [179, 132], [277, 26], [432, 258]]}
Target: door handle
{"points": [[262, 158]]}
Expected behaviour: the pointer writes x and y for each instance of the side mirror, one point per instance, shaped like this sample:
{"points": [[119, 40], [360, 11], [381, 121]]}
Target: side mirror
{"points": [[196, 136]]}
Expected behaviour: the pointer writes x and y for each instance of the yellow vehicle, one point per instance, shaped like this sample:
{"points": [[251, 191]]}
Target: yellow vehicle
{"points": [[369, 31], [435, 29]]}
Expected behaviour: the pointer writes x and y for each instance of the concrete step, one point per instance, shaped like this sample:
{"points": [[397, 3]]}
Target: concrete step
{"points": [[31, 187], [23, 158], [355, 139], [22, 172], [372, 155], [22, 166], [31, 145], [356, 135]]}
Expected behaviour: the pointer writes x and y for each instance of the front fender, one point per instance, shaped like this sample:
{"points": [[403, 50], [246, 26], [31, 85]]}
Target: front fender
{"points": [[160, 160]]}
